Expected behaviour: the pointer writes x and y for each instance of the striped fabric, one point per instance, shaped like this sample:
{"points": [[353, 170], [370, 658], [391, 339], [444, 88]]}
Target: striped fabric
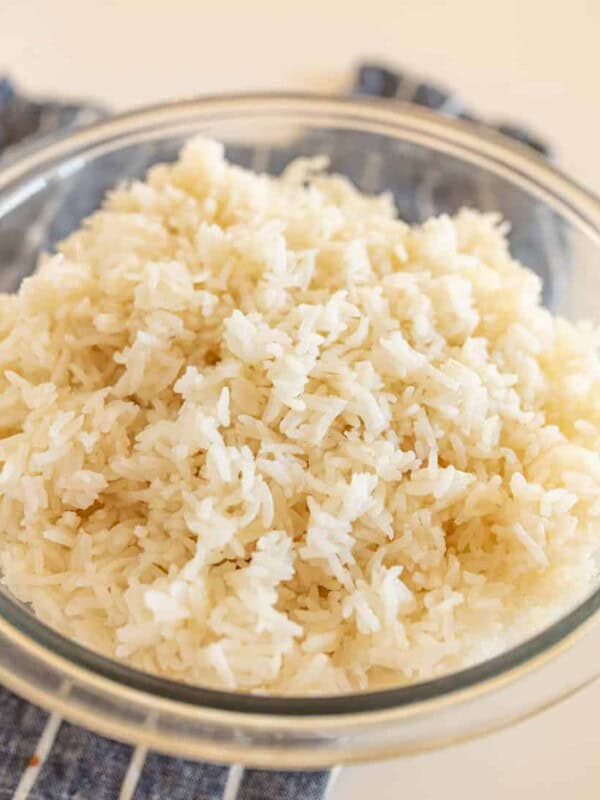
{"points": [[43, 757]]}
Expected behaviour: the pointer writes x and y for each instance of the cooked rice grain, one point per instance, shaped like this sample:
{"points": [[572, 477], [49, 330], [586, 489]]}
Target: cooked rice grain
{"points": [[260, 434]]}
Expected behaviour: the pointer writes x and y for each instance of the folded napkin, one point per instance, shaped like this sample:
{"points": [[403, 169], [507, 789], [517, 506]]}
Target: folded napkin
{"points": [[43, 757]]}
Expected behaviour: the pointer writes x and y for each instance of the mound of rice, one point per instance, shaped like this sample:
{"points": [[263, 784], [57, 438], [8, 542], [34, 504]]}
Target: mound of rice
{"points": [[260, 434]]}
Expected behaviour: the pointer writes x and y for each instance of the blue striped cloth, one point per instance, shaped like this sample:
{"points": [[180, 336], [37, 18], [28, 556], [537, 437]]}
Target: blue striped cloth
{"points": [[43, 757]]}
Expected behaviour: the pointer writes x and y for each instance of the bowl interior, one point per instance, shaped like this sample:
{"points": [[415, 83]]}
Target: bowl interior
{"points": [[423, 180], [427, 173]]}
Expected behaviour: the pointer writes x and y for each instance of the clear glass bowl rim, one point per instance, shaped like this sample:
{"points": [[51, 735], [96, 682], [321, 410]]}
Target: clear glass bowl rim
{"points": [[398, 120]]}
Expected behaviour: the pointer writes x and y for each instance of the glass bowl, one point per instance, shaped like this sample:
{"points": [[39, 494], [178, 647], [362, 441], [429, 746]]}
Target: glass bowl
{"points": [[431, 165]]}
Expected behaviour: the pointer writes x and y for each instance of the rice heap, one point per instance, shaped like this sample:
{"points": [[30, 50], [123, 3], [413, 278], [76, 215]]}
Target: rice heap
{"points": [[258, 433]]}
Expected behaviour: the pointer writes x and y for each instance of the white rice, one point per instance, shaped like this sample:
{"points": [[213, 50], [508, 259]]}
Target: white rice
{"points": [[260, 434]]}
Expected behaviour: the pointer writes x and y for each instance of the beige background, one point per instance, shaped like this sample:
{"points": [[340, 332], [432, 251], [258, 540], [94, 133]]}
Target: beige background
{"points": [[532, 60], [535, 60]]}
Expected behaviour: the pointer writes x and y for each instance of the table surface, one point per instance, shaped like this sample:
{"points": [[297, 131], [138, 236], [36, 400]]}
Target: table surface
{"points": [[529, 60]]}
